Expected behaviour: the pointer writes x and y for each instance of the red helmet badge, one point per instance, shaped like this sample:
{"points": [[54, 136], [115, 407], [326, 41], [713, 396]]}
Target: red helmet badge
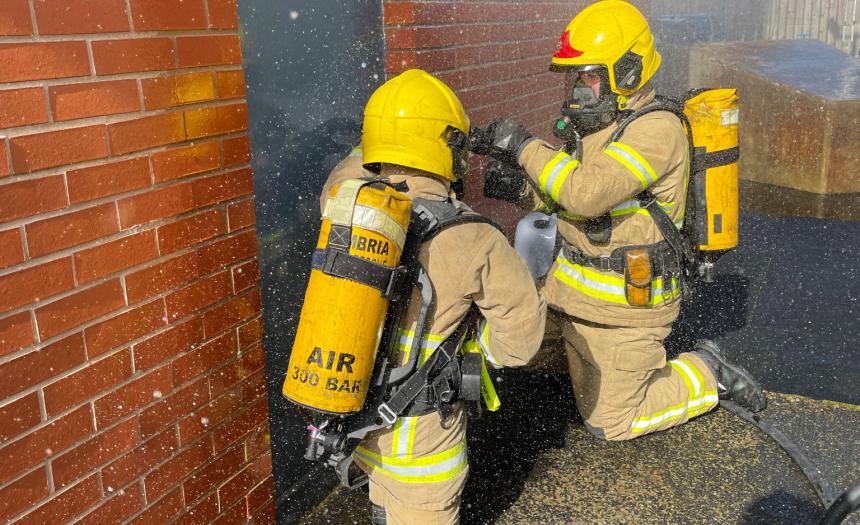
{"points": [[565, 50]]}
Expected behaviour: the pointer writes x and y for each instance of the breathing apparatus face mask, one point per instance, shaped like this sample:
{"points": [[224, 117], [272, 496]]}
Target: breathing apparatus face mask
{"points": [[589, 105], [459, 144]]}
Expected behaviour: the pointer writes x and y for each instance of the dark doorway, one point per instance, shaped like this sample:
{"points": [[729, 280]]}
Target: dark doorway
{"points": [[310, 67]]}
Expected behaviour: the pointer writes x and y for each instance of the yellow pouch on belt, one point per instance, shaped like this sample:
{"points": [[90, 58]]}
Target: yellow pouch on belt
{"points": [[637, 277]]}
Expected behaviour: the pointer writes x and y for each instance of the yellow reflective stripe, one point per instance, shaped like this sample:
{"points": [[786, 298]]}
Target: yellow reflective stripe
{"points": [[554, 174], [434, 468], [429, 344], [339, 209], [710, 395], [377, 220], [605, 286], [633, 161], [692, 381], [488, 389], [699, 400], [403, 437], [356, 152]]}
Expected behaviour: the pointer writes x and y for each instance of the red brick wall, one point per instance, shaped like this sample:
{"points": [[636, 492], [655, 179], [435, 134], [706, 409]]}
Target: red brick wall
{"points": [[494, 54], [131, 365]]}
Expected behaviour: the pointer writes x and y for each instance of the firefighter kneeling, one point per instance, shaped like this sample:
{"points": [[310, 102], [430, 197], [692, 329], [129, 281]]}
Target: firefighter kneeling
{"points": [[389, 218]]}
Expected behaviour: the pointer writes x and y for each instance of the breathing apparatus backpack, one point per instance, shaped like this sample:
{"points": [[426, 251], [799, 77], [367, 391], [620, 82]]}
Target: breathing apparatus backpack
{"points": [[342, 374], [710, 118]]}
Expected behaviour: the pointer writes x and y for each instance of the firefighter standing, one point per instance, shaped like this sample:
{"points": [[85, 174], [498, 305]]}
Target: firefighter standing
{"points": [[616, 280], [414, 136]]}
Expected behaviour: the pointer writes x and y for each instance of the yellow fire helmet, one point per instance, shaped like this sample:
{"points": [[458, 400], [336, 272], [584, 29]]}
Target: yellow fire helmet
{"points": [[612, 34], [416, 120]]}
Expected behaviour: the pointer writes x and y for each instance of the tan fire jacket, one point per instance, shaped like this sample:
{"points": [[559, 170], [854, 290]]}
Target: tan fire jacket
{"points": [[652, 153], [468, 263]]}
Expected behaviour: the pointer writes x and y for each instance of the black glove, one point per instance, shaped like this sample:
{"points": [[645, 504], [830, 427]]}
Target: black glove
{"points": [[501, 140], [504, 182]]}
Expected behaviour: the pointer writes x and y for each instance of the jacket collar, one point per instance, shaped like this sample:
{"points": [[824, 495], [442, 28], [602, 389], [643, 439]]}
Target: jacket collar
{"points": [[421, 183]]}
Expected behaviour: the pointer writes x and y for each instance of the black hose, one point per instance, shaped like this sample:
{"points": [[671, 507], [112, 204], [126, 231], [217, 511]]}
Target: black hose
{"points": [[847, 503]]}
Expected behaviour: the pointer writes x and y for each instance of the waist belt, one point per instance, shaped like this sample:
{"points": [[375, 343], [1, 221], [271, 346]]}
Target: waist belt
{"points": [[663, 259]]}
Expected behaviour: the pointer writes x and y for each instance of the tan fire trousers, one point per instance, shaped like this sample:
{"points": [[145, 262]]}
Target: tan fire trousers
{"points": [[624, 386]]}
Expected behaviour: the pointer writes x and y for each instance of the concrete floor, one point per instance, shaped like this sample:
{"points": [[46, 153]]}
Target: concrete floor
{"points": [[715, 470]]}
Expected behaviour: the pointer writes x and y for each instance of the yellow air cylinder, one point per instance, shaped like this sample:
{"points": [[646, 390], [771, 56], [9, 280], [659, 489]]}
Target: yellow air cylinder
{"points": [[341, 322], [713, 116]]}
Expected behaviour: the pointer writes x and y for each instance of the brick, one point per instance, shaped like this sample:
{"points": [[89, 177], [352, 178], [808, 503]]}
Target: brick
{"points": [[251, 333], [202, 513], [162, 511], [234, 515], [94, 263], [35, 283], [239, 309], [227, 251], [66, 505], [400, 13], [231, 84], [77, 309], [254, 387], [223, 14], [165, 345], [63, 17], [16, 332], [71, 229], [35, 367], [108, 179], [161, 277], [4, 158], [130, 56], [11, 248], [185, 161], [400, 38], [264, 516], [57, 148], [43, 60], [155, 418], [218, 188], [232, 373], [84, 384], [45, 442], [168, 15], [169, 91], [146, 132], [124, 328], [191, 230], [122, 505], [22, 107], [210, 416], [156, 204], [258, 442], [242, 483], [132, 396], [260, 495], [197, 296], [26, 491], [205, 122], [210, 476], [94, 99], [15, 18], [237, 150], [96, 452], [31, 197], [175, 470], [140, 460], [241, 215], [242, 424], [245, 276], [18, 416], [204, 358], [193, 51]]}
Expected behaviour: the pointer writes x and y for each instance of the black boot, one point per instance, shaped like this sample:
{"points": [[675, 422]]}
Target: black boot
{"points": [[377, 514], [733, 382]]}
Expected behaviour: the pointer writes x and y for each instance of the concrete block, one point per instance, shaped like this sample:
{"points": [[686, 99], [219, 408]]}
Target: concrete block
{"points": [[800, 108]]}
